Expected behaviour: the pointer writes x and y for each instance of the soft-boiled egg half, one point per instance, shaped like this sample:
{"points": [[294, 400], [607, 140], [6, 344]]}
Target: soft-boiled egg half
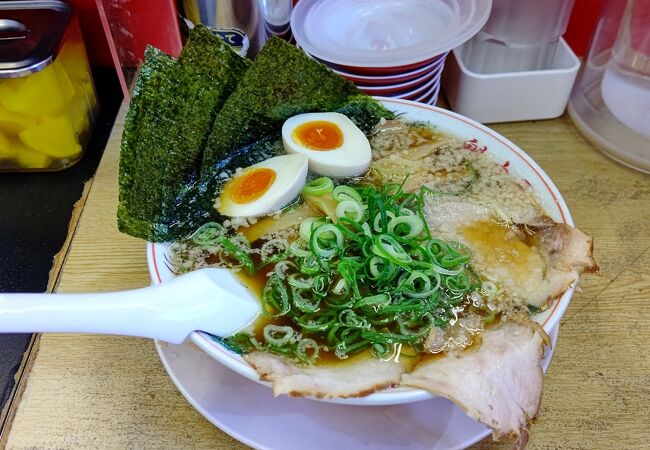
{"points": [[263, 188], [332, 142]]}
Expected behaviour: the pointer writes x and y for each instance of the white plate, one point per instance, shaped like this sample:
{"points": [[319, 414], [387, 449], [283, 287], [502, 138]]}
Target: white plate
{"points": [[249, 413], [479, 138]]}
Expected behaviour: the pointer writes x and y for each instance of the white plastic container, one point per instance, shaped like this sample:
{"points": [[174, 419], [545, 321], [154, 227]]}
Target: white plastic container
{"points": [[388, 34], [519, 35], [510, 96]]}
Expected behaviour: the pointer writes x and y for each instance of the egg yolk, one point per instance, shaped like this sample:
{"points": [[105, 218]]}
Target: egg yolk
{"points": [[250, 185], [319, 135]]}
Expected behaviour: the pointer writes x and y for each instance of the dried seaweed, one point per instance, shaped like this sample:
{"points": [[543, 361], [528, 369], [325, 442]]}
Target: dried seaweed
{"points": [[172, 112], [282, 82]]}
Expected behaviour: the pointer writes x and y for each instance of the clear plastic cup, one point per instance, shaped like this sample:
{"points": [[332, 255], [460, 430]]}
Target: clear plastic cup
{"points": [[610, 102], [626, 81], [520, 35]]}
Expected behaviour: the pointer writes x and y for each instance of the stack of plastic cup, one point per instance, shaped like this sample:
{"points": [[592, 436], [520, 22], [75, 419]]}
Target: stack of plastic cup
{"points": [[390, 48]]}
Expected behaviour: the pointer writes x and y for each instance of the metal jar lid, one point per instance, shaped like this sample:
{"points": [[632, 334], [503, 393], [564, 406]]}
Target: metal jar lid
{"points": [[31, 32]]}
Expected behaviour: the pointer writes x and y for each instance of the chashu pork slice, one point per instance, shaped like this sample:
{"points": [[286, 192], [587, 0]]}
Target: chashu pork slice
{"points": [[498, 384], [536, 261], [356, 378]]}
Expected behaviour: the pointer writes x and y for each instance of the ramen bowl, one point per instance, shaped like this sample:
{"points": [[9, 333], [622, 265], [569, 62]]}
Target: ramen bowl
{"points": [[518, 163]]}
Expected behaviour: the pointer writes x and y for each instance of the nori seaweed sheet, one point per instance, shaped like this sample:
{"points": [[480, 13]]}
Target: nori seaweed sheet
{"points": [[282, 82], [175, 125], [171, 114], [195, 205]]}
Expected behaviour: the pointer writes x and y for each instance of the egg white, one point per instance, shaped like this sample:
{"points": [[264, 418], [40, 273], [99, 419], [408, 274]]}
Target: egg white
{"points": [[290, 176], [352, 158]]}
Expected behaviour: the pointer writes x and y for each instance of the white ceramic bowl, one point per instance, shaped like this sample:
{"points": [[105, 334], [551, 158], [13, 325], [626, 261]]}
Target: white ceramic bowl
{"points": [[519, 164]]}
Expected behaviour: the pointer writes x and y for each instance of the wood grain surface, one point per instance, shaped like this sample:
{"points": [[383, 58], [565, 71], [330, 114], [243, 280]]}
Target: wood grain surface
{"points": [[89, 392]]}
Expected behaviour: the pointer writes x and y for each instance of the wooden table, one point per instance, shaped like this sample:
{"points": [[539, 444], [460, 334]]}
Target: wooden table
{"points": [[112, 392]]}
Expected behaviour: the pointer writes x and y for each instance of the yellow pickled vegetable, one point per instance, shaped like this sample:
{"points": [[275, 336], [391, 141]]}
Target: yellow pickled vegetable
{"points": [[78, 114], [41, 94], [12, 122], [31, 159], [67, 89], [73, 57], [54, 137], [6, 150], [12, 83]]}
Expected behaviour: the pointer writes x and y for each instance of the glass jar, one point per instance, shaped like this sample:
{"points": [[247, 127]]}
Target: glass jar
{"points": [[47, 97]]}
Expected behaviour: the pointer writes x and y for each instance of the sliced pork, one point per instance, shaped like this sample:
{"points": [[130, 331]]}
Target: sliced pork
{"points": [[535, 261], [356, 378], [499, 383]]}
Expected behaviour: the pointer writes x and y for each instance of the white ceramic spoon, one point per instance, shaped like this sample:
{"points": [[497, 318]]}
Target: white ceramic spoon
{"points": [[210, 300]]}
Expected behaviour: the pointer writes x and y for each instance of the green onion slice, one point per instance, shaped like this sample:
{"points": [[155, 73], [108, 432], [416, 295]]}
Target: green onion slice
{"points": [[305, 300], [412, 223], [374, 301], [316, 322], [278, 335], [325, 240], [297, 280], [208, 234], [307, 350], [387, 247], [310, 265], [351, 209], [299, 248], [238, 253], [275, 298], [342, 192], [319, 186]]}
